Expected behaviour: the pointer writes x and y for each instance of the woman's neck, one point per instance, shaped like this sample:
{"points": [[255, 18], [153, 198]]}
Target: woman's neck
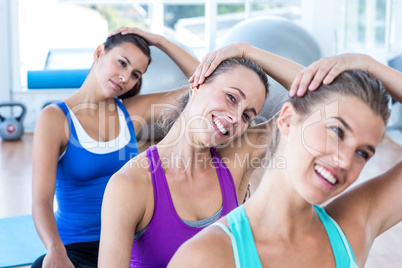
{"points": [[179, 145], [278, 208]]}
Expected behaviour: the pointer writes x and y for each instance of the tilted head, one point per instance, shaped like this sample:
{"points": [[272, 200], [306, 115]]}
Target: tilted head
{"points": [[227, 102], [119, 39], [334, 131]]}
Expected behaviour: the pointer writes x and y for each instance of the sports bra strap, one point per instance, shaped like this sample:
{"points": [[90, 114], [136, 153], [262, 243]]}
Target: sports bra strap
{"points": [[233, 240]]}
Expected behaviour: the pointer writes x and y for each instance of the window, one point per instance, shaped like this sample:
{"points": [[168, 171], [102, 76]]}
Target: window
{"points": [[62, 34], [370, 25]]}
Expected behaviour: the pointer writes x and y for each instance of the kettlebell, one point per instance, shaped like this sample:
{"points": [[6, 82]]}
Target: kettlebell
{"points": [[11, 128]]}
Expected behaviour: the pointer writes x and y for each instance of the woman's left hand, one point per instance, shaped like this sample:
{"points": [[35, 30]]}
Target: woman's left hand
{"points": [[152, 39], [211, 60], [325, 70]]}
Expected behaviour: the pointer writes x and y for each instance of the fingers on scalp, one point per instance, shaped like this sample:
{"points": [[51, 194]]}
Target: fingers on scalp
{"points": [[191, 79], [197, 74], [334, 72], [318, 77], [305, 80], [301, 91]]}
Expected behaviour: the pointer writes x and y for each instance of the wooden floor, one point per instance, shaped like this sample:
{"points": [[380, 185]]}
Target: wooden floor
{"points": [[15, 191]]}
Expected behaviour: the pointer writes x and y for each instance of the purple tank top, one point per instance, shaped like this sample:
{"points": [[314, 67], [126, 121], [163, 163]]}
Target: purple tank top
{"points": [[167, 232]]}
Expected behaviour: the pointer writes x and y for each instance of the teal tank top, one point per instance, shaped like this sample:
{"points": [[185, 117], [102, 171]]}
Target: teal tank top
{"points": [[245, 252]]}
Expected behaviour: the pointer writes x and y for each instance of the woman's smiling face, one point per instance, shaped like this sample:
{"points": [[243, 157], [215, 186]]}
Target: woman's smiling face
{"points": [[224, 108], [326, 150]]}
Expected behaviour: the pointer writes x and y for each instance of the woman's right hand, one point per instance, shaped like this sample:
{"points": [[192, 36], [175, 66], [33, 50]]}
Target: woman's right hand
{"points": [[211, 60], [152, 39], [54, 259], [326, 70]]}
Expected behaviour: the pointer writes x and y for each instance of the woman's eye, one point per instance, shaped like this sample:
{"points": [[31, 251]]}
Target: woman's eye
{"points": [[233, 99], [338, 132], [247, 118], [363, 154], [122, 63], [135, 75]]}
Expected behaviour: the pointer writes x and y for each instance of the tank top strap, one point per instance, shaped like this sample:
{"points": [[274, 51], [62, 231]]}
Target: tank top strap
{"points": [[228, 188], [341, 248], [71, 127], [161, 189], [239, 226], [128, 121]]}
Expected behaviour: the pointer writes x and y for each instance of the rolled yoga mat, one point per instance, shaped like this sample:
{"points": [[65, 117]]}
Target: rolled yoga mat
{"points": [[46, 79]]}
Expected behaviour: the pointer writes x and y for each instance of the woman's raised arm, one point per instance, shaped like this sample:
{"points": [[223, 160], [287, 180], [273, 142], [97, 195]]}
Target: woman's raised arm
{"points": [[279, 68]]}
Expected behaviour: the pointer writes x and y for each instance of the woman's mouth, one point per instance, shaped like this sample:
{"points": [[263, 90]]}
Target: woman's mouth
{"points": [[116, 86], [219, 126], [324, 173]]}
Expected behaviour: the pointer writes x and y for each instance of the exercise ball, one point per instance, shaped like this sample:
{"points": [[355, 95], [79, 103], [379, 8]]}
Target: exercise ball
{"points": [[163, 74], [279, 36]]}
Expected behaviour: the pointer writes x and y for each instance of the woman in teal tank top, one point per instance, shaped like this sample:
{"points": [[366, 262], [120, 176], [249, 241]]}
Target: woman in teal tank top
{"points": [[323, 141]]}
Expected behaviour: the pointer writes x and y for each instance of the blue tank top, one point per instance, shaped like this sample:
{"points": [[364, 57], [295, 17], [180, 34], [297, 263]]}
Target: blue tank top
{"points": [[245, 251], [167, 232], [81, 181]]}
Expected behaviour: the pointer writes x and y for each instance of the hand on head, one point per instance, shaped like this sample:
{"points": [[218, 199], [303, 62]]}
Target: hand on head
{"points": [[152, 39], [211, 60], [325, 71]]}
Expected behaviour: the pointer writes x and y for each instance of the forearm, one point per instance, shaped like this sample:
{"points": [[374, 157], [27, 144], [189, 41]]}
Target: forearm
{"points": [[185, 61], [46, 227], [389, 77], [279, 68]]}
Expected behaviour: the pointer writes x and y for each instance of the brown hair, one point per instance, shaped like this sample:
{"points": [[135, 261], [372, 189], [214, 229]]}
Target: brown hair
{"points": [[356, 83], [350, 83]]}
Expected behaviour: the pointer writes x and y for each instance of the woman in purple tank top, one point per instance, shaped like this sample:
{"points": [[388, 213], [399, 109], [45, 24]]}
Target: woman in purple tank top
{"points": [[164, 196]]}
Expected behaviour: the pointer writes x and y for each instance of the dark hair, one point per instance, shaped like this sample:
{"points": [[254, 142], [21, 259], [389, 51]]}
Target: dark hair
{"points": [[229, 64], [139, 42], [170, 115], [354, 83]]}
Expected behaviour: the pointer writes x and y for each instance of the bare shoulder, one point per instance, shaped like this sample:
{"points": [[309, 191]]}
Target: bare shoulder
{"points": [[52, 114], [51, 126], [134, 175], [130, 189], [209, 248]]}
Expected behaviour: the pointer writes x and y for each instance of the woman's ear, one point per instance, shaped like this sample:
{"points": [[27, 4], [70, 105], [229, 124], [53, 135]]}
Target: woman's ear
{"points": [[98, 52], [285, 118]]}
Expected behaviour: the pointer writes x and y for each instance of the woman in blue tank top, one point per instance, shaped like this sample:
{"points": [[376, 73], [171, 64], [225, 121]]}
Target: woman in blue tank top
{"points": [[81, 142], [323, 141]]}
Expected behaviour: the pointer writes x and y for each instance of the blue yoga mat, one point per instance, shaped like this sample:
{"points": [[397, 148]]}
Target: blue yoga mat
{"points": [[19, 242]]}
